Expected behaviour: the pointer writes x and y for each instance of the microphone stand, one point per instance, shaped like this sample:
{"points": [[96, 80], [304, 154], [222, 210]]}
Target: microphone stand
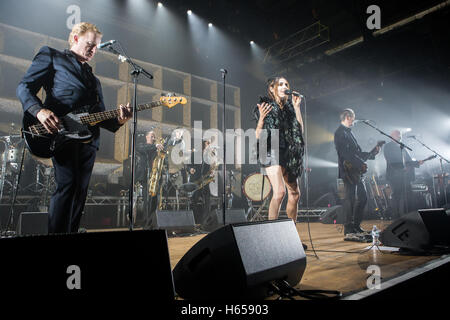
{"points": [[135, 73], [402, 147], [441, 159], [224, 73]]}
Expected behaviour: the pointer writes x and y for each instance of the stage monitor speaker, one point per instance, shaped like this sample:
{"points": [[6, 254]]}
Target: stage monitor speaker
{"points": [[32, 223], [238, 261], [122, 264], [333, 215], [176, 221], [418, 231], [215, 219]]}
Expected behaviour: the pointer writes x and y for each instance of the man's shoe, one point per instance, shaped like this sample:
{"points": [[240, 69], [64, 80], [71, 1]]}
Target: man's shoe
{"points": [[358, 229], [349, 229], [356, 237]]}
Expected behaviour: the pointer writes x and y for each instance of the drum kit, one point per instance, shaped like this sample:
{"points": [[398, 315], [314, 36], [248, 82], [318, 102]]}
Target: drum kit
{"points": [[36, 176], [177, 189]]}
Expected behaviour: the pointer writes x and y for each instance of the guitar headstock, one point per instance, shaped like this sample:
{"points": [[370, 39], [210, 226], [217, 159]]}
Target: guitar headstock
{"points": [[171, 100]]}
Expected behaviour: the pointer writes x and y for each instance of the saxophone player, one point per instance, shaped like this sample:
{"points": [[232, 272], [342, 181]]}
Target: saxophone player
{"points": [[148, 152]]}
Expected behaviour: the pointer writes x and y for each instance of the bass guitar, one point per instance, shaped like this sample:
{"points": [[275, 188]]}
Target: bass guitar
{"points": [[76, 126]]}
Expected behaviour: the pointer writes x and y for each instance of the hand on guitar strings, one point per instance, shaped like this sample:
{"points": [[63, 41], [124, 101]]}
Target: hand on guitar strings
{"points": [[49, 120], [125, 113]]}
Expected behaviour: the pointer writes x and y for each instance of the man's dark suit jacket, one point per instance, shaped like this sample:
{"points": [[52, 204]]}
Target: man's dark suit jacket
{"points": [[348, 149], [68, 85], [394, 163]]}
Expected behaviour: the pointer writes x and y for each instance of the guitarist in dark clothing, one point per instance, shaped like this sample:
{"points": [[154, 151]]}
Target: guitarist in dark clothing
{"points": [[351, 167], [69, 83], [400, 175]]}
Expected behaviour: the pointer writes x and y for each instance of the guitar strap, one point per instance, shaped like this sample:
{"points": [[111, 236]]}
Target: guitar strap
{"points": [[354, 141]]}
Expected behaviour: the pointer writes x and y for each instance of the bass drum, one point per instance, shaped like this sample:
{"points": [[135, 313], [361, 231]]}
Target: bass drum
{"points": [[253, 184]]}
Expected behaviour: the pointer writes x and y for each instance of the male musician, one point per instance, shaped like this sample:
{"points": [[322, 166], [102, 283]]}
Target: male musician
{"points": [[350, 152], [147, 152], [69, 84], [197, 173], [149, 149], [400, 175]]}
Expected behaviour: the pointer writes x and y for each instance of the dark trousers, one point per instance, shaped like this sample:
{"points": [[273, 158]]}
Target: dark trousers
{"points": [[73, 165], [201, 205], [402, 197], [354, 202], [150, 206]]}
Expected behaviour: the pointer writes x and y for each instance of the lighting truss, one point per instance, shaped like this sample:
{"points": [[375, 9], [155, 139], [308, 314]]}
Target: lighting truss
{"points": [[298, 43]]}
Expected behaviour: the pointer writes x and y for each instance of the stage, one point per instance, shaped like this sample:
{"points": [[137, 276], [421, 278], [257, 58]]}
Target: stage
{"points": [[340, 265]]}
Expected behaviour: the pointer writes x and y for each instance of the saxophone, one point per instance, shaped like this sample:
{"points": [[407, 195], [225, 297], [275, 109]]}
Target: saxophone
{"points": [[155, 176], [209, 176]]}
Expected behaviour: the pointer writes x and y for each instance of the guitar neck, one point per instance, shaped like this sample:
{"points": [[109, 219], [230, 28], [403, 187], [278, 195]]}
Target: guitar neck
{"points": [[93, 118]]}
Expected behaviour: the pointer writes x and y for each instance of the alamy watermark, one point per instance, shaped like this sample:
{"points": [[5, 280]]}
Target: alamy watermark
{"points": [[374, 279], [233, 142], [374, 20]]}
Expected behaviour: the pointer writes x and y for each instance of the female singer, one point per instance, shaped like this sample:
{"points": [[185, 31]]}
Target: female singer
{"points": [[279, 111]]}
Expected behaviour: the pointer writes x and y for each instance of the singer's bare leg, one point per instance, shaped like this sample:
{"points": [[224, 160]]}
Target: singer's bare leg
{"points": [[275, 175], [293, 197]]}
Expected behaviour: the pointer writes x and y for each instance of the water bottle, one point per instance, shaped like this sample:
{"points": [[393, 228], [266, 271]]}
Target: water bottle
{"points": [[375, 235]]}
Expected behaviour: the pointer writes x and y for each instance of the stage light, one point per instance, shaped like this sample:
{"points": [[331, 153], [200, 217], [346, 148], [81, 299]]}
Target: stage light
{"points": [[189, 12], [405, 130], [321, 163], [160, 4], [210, 24], [252, 42]]}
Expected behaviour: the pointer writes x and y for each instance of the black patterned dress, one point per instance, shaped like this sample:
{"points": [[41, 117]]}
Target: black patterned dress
{"points": [[291, 142]]}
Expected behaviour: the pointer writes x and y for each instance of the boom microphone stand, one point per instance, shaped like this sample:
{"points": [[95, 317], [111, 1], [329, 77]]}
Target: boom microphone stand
{"points": [[441, 159], [135, 73], [224, 73]]}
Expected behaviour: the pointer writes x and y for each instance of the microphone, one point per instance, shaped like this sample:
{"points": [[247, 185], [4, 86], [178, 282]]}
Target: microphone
{"points": [[106, 44], [360, 120], [294, 93], [223, 71]]}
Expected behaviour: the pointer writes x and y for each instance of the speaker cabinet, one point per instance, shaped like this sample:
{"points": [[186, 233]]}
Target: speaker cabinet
{"points": [[32, 223], [215, 219], [176, 221], [238, 261], [418, 231], [332, 215], [113, 264]]}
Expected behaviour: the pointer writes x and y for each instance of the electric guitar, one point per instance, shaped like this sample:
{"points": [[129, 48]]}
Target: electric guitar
{"points": [[410, 168], [354, 174], [76, 126]]}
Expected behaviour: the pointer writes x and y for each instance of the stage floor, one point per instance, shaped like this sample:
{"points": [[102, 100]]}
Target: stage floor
{"points": [[339, 265]]}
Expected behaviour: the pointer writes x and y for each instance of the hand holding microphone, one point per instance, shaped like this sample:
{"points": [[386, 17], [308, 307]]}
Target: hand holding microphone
{"points": [[296, 97]]}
